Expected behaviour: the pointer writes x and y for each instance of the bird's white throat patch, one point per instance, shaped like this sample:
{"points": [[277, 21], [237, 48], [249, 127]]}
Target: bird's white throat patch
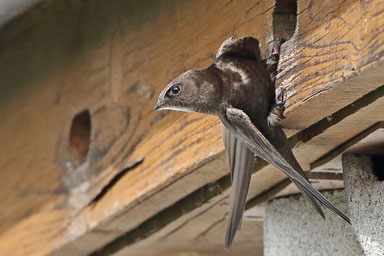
{"points": [[178, 109]]}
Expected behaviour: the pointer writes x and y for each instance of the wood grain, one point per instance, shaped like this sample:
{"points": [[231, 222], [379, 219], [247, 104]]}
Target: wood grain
{"points": [[334, 57], [111, 59], [338, 126], [206, 221]]}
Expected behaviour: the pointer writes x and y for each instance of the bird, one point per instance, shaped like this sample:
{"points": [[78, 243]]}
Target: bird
{"points": [[238, 87]]}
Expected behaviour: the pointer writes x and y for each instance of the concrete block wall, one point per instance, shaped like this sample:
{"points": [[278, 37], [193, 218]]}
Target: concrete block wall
{"points": [[292, 227], [366, 200]]}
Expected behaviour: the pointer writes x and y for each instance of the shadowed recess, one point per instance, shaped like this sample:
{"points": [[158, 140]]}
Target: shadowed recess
{"points": [[378, 166], [80, 137], [284, 18]]}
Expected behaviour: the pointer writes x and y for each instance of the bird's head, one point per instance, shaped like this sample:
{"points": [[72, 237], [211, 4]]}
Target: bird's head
{"points": [[193, 91]]}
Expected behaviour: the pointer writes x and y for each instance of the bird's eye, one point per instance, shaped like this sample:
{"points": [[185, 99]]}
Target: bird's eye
{"points": [[174, 90]]}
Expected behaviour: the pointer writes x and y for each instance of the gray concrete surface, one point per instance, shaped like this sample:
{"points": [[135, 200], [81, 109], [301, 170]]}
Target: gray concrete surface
{"points": [[366, 202], [293, 227]]}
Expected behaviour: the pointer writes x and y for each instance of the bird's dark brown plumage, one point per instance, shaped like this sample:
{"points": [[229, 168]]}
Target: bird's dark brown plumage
{"points": [[238, 88]]}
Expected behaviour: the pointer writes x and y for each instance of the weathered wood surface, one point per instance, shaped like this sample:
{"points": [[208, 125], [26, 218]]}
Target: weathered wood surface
{"points": [[113, 58], [336, 43], [206, 222], [328, 134]]}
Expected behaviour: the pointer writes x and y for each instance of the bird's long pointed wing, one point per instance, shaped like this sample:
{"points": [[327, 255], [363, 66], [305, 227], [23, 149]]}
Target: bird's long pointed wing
{"points": [[241, 160], [247, 131]]}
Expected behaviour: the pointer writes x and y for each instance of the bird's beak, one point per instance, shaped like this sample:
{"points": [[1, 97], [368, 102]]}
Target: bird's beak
{"points": [[157, 107]]}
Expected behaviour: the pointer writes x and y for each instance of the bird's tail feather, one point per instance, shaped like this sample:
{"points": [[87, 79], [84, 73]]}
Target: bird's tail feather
{"points": [[240, 185]]}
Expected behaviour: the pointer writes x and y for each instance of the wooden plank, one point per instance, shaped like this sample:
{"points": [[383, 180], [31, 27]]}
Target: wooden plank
{"points": [[212, 215], [113, 59], [335, 57], [346, 145], [330, 138]]}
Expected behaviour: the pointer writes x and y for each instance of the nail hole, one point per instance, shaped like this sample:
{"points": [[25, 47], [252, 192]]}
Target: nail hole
{"points": [[378, 166], [284, 18], [80, 137]]}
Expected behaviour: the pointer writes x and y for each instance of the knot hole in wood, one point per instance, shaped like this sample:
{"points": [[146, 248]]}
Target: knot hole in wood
{"points": [[80, 137]]}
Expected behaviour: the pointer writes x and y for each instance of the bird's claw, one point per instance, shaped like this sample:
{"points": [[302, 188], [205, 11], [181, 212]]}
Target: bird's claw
{"points": [[277, 45], [280, 101], [273, 60], [279, 92]]}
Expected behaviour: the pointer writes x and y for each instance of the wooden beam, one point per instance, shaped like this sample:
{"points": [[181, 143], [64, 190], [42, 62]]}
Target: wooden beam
{"points": [[343, 147], [320, 137], [335, 57], [111, 58], [267, 181]]}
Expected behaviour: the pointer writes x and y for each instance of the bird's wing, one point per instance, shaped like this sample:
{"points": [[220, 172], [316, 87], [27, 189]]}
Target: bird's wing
{"points": [[244, 47], [241, 160], [230, 147], [255, 140]]}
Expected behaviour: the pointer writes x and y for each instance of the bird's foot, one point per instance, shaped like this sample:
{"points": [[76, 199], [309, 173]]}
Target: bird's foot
{"points": [[277, 45], [277, 111], [279, 96], [280, 102], [273, 60]]}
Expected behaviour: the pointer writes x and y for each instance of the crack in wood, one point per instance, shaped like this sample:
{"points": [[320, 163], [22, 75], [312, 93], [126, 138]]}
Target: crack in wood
{"points": [[115, 179], [213, 225], [164, 217], [327, 122]]}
